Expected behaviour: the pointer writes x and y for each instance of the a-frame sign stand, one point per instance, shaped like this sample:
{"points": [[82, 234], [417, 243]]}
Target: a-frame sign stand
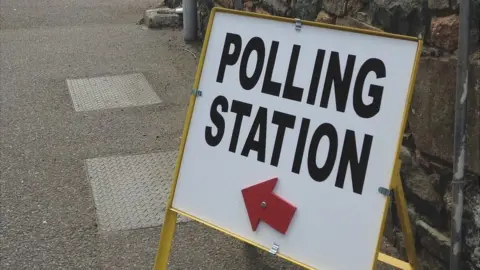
{"points": [[395, 190], [169, 225]]}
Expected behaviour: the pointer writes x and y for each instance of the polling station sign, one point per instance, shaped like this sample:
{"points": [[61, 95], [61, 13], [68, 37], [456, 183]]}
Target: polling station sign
{"points": [[294, 129]]}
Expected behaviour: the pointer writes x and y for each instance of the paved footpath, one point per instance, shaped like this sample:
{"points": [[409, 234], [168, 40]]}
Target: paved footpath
{"points": [[91, 113]]}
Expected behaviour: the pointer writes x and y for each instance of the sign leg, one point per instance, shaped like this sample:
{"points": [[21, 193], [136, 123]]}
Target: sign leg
{"points": [[166, 239], [404, 219]]}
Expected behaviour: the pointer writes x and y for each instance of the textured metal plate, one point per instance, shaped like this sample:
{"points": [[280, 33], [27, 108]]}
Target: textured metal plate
{"points": [[131, 192], [111, 92]]}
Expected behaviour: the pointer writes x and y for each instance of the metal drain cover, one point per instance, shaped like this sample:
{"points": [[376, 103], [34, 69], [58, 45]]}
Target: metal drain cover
{"points": [[130, 192], [111, 92]]}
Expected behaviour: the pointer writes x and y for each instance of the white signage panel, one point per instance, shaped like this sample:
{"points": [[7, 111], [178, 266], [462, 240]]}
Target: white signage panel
{"points": [[312, 115]]}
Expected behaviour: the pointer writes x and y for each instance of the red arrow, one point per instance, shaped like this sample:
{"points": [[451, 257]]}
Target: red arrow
{"points": [[263, 204]]}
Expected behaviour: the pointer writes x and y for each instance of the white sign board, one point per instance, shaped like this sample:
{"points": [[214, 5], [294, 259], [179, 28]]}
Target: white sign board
{"points": [[319, 109]]}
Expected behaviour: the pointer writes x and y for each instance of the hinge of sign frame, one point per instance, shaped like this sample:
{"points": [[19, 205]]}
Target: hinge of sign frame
{"points": [[274, 249], [385, 191], [197, 93], [298, 24]]}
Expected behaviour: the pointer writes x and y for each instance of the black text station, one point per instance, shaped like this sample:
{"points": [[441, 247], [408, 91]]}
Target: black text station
{"points": [[345, 153]]}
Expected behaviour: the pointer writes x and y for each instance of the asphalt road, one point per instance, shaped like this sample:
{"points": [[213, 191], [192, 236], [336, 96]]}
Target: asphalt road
{"points": [[48, 217]]}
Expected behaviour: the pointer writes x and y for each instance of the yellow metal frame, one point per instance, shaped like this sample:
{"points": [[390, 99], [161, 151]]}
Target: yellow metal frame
{"points": [[405, 224], [169, 224]]}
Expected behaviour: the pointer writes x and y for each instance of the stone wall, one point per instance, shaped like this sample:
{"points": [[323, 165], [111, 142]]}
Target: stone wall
{"points": [[428, 141]]}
